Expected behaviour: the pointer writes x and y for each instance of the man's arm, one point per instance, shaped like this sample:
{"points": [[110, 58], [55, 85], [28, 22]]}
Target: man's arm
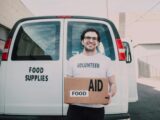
{"points": [[112, 85]]}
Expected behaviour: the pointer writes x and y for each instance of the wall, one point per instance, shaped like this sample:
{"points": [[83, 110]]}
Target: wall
{"points": [[148, 57], [11, 11]]}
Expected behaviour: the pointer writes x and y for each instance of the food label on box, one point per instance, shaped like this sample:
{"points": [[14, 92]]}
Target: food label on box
{"points": [[79, 93]]}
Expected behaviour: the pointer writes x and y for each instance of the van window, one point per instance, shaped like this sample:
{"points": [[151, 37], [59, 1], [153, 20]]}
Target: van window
{"points": [[37, 41], [75, 30]]}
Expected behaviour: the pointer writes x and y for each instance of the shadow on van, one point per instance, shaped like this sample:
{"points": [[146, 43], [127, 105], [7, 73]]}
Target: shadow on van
{"points": [[0, 56]]}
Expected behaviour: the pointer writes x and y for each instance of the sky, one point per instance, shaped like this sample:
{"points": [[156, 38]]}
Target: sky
{"points": [[64, 7], [139, 27]]}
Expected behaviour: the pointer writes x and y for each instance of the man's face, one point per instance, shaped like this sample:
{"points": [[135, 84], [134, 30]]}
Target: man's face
{"points": [[90, 41]]}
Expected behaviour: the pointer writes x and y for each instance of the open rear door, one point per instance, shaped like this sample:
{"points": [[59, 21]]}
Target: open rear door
{"points": [[131, 72]]}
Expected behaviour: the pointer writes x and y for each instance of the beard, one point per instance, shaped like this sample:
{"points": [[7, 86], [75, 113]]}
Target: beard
{"points": [[89, 50]]}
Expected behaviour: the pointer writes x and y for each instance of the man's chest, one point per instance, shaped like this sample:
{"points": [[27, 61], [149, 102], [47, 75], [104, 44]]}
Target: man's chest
{"points": [[87, 68]]}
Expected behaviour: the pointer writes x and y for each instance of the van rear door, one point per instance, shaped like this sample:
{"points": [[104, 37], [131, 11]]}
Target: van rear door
{"points": [[108, 47], [34, 69]]}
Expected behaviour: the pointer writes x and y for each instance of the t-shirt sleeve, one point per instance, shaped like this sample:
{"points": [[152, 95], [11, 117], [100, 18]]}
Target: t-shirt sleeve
{"points": [[110, 67], [69, 68]]}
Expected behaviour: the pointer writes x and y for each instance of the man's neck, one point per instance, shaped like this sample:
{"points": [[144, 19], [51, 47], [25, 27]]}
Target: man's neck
{"points": [[89, 53]]}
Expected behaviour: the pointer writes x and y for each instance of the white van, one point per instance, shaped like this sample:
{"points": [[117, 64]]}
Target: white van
{"points": [[34, 63]]}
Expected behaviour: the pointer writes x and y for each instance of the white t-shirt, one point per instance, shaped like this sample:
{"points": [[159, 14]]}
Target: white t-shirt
{"points": [[96, 65]]}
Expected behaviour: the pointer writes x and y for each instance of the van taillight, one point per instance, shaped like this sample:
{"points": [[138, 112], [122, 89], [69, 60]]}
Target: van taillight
{"points": [[121, 50], [6, 49]]}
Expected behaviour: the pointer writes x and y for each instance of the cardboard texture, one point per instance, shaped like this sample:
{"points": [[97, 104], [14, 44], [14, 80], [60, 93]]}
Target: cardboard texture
{"points": [[85, 90]]}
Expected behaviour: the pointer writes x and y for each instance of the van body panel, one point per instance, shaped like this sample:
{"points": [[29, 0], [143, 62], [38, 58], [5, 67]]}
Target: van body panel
{"points": [[2, 87], [35, 96], [120, 100], [131, 75]]}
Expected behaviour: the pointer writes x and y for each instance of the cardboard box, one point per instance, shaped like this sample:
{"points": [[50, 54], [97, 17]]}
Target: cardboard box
{"points": [[85, 90]]}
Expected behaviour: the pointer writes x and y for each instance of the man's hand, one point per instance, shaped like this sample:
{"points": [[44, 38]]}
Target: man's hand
{"points": [[108, 98]]}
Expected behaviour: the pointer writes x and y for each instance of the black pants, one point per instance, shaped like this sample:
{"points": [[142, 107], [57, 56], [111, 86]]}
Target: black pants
{"points": [[84, 113]]}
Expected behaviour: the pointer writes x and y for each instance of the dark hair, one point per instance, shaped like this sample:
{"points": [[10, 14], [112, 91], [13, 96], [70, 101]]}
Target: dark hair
{"points": [[90, 30]]}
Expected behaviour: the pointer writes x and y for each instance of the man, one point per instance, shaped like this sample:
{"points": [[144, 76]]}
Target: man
{"points": [[90, 63]]}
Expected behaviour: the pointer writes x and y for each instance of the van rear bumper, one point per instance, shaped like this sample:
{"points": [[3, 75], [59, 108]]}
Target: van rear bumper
{"points": [[117, 116], [29, 117]]}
